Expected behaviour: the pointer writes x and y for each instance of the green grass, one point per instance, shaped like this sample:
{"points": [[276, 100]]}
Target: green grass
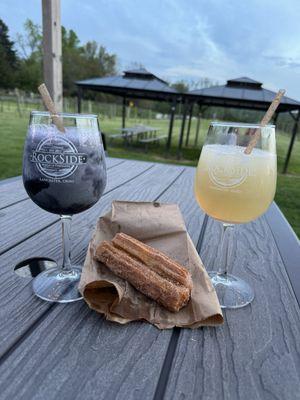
{"points": [[13, 131]]}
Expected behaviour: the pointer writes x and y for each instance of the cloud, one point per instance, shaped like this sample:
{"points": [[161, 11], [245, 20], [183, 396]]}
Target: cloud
{"points": [[285, 62], [189, 39]]}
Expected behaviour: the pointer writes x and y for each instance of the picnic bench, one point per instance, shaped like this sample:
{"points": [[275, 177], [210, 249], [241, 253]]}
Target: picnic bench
{"points": [[66, 351], [144, 134], [153, 139]]}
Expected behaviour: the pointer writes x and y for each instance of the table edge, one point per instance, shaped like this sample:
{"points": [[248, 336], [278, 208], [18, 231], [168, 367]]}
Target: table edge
{"points": [[287, 244]]}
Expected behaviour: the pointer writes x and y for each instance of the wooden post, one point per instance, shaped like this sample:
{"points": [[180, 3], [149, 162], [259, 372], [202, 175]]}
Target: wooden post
{"points": [[52, 50], [18, 101], [185, 106], [294, 134], [189, 126], [172, 115], [123, 112], [198, 126]]}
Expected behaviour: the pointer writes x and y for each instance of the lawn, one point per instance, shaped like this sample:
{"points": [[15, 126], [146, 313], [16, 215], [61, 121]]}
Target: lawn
{"points": [[13, 130]]}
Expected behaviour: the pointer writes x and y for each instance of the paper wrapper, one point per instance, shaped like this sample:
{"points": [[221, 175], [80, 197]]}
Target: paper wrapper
{"points": [[160, 226]]}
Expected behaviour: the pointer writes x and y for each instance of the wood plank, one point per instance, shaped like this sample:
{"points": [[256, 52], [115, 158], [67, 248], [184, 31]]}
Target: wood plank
{"points": [[287, 244], [19, 309], [12, 190], [27, 218], [112, 361], [95, 359], [112, 162], [256, 353], [9, 180], [52, 51]]}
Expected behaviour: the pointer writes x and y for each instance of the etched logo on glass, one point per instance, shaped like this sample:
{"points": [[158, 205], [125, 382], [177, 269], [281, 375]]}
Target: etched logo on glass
{"points": [[57, 158], [228, 176]]}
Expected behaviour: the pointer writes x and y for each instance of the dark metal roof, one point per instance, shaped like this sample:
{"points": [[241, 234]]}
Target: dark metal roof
{"points": [[133, 83], [246, 80], [241, 93], [139, 83], [141, 73], [140, 70]]}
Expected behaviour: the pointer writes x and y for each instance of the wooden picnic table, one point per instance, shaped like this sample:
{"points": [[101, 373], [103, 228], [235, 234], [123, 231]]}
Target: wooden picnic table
{"points": [[143, 133], [66, 351], [139, 131]]}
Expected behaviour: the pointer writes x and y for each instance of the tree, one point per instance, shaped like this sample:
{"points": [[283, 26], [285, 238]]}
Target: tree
{"points": [[8, 59], [81, 62], [31, 43], [181, 86], [30, 75], [107, 62], [71, 60]]}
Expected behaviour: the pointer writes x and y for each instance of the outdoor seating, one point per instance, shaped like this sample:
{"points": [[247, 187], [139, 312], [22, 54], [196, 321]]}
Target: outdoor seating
{"points": [[149, 245], [153, 139], [72, 343], [144, 134]]}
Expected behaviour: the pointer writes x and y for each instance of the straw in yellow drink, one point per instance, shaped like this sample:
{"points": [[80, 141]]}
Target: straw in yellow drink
{"points": [[235, 183]]}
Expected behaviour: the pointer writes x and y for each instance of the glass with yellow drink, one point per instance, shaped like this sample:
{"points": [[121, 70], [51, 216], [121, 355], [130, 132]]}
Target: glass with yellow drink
{"points": [[234, 188]]}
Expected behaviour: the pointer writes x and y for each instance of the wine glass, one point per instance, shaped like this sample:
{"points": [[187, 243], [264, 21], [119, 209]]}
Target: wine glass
{"points": [[64, 173], [235, 188]]}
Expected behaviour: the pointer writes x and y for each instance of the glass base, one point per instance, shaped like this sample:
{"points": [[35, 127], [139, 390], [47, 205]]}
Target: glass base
{"points": [[232, 292], [58, 286]]}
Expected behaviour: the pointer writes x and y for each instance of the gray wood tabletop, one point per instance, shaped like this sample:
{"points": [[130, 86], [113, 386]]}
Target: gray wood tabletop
{"points": [[56, 351]]}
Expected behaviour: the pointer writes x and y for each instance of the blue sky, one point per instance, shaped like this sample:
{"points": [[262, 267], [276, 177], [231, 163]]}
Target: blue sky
{"points": [[187, 39]]}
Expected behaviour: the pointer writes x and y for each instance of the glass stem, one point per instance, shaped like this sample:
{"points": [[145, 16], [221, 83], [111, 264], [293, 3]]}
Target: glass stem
{"points": [[66, 242], [223, 264]]}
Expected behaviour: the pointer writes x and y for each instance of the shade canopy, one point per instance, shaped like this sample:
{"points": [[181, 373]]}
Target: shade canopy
{"points": [[241, 93], [135, 83]]}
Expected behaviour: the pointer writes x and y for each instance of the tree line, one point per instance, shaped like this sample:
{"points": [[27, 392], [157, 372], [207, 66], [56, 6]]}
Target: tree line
{"points": [[24, 68]]}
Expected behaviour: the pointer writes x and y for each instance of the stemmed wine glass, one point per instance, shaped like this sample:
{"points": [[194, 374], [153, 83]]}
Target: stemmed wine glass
{"points": [[64, 173], [235, 188]]}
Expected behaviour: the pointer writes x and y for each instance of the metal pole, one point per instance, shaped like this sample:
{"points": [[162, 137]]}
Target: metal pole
{"points": [[189, 125], [52, 64], [275, 118], [172, 115], [123, 112], [198, 126], [79, 97], [185, 107], [294, 134]]}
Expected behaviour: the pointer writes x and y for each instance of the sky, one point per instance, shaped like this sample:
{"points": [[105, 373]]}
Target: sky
{"points": [[186, 39]]}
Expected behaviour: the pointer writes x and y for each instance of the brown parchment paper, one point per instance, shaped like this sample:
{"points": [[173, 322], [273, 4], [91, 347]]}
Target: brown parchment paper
{"points": [[160, 226]]}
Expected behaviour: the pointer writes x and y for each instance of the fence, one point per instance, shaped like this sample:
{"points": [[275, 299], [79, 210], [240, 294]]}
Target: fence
{"points": [[21, 104]]}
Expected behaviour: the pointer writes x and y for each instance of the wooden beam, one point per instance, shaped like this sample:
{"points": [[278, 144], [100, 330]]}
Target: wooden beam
{"points": [[52, 64], [294, 134]]}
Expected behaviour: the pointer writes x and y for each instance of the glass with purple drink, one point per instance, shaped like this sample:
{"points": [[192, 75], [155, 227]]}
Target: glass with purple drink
{"points": [[64, 173]]}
